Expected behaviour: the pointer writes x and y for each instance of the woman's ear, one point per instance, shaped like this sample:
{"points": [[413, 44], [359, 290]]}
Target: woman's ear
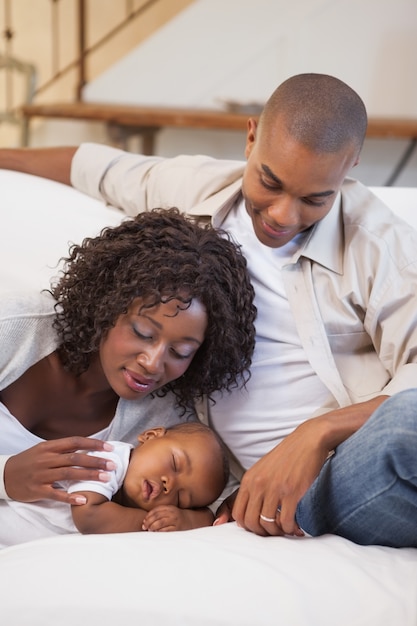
{"points": [[152, 433]]}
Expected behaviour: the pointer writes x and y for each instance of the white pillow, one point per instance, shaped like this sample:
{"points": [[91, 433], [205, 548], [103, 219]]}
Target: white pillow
{"points": [[401, 200], [39, 220]]}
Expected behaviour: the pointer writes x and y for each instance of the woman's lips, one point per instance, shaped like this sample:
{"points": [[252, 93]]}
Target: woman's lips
{"points": [[138, 383]]}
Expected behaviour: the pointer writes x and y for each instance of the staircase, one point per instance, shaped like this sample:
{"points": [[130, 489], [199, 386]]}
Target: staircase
{"points": [[70, 43]]}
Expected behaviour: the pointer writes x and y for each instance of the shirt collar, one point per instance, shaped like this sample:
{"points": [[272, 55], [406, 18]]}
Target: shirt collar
{"points": [[324, 244], [218, 205]]}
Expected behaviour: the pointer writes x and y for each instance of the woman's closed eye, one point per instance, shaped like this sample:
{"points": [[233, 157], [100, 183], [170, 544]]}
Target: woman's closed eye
{"points": [[141, 334], [181, 356], [146, 336]]}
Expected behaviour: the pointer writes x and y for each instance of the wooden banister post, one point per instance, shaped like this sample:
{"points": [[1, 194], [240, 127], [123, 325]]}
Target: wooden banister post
{"points": [[82, 48]]}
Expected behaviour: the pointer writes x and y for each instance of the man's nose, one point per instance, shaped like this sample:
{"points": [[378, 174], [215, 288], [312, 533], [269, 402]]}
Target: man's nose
{"points": [[283, 211]]}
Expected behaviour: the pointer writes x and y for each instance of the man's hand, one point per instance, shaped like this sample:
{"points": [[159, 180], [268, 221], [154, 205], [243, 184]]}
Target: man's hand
{"points": [[273, 486], [31, 475]]}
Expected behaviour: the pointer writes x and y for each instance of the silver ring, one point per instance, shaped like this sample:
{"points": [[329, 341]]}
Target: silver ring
{"points": [[267, 519]]}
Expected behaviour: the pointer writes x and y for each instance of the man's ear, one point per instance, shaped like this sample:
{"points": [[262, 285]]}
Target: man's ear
{"points": [[250, 135], [152, 433]]}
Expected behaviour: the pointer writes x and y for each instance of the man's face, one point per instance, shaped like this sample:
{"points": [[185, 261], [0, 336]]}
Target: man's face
{"points": [[287, 187]]}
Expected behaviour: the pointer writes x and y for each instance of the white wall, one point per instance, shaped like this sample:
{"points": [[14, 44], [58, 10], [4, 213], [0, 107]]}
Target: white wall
{"points": [[217, 50]]}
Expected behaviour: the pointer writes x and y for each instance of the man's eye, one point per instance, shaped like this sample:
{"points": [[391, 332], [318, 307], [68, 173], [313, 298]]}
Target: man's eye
{"points": [[313, 202], [271, 186]]}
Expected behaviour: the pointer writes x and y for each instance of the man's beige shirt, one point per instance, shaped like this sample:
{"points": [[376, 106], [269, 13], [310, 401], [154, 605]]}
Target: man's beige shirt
{"points": [[352, 288]]}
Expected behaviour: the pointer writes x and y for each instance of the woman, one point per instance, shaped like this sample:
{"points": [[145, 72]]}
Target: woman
{"points": [[146, 318]]}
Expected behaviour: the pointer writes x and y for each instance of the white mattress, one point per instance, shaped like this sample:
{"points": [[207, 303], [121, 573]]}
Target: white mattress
{"points": [[207, 577]]}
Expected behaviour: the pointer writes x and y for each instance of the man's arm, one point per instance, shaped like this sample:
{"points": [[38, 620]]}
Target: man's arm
{"points": [[282, 477], [52, 163]]}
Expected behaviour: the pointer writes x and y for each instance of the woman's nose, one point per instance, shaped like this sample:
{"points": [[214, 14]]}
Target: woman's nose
{"points": [[152, 360]]}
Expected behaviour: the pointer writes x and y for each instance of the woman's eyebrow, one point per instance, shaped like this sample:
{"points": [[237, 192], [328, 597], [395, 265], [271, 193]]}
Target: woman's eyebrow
{"points": [[150, 319]]}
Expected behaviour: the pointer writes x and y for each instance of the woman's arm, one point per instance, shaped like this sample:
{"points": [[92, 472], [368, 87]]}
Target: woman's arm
{"points": [[52, 163]]}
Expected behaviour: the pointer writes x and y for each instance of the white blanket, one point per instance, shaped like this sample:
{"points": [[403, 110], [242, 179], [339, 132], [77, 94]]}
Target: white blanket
{"points": [[221, 576], [218, 576]]}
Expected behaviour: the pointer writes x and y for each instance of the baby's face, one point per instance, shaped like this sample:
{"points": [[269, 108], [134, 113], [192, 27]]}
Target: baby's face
{"points": [[170, 467]]}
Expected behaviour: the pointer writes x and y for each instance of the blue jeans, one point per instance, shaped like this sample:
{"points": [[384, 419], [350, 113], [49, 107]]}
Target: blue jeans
{"points": [[367, 491]]}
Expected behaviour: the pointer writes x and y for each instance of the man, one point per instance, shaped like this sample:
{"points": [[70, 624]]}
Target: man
{"points": [[335, 275]]}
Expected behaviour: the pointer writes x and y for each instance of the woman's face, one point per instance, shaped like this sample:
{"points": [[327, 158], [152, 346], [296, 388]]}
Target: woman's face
{"points": [[150, 347]]}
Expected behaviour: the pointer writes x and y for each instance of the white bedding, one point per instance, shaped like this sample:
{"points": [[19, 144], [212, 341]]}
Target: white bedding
{"points": [[39, 219], [207, 577]]}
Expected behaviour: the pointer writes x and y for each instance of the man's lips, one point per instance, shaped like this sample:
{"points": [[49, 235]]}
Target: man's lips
{"points": [[274, 231], [138, 383]]}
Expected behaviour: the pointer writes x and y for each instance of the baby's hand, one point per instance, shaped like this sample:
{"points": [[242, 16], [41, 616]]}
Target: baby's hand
{"points": [[165, 518]]}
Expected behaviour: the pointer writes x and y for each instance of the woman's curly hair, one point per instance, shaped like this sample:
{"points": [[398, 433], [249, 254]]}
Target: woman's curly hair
{"points": [[160, 255]]}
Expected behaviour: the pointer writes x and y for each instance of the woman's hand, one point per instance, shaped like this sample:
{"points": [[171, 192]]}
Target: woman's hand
{"points": [[31, 475]]}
